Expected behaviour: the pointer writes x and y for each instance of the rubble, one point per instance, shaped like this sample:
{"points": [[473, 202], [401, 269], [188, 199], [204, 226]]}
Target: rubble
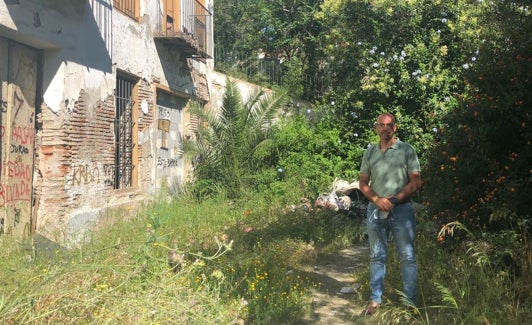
{"points": [[343, 197]]}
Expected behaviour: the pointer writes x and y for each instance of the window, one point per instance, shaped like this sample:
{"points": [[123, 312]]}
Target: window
{"points": [[128, 7], [171, 15], [123, 127]]}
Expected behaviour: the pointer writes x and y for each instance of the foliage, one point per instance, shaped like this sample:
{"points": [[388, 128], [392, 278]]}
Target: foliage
{"points": [[279, 30], [455, 73], [309, 151], [405, 57], [481, 167], [230, 145]]}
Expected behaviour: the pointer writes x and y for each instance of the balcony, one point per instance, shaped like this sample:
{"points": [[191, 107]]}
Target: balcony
{"points": [[186, 25]]}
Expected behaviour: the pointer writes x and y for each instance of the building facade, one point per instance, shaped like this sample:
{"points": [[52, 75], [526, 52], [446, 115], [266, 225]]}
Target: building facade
{"points": [[94, 97]]}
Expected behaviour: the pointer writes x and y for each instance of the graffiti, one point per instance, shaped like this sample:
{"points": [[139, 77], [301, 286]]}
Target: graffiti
{"points": [[109, 175], [18, 170], [22, 134], [15, 192], [19, 149], [19, 182], [84, 174], [168, 162], [164, 113], [87, 174]]}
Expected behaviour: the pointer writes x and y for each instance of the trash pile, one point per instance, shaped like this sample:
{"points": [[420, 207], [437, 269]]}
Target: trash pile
{"points": [[343, 197]]}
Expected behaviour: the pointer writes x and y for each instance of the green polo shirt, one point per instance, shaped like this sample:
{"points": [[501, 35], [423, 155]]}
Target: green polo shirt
{"points": [[388, 171]]}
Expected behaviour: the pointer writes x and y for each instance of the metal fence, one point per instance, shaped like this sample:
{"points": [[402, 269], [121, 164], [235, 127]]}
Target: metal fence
{"points": [[257, 69], [266, 71]]}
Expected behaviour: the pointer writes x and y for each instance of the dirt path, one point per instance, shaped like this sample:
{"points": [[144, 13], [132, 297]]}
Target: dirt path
{"points": [[334, 271]]}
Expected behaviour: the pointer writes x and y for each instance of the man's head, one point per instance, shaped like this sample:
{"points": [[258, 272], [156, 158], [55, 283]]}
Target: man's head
{"points": [[386, 126]]}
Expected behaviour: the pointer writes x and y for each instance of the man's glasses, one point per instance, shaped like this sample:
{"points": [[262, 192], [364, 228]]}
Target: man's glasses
{"points": [[385, 125]]}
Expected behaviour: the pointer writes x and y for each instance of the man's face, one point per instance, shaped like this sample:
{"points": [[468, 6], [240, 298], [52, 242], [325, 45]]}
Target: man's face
{"points": [[386, 127]]}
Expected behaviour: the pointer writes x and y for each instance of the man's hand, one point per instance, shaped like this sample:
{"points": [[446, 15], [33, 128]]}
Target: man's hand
{"points": [[384, 204]]}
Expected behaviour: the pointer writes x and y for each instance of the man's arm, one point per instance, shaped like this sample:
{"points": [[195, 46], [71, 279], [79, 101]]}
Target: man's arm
{"points": [[414, 184], [363, 184], [382, 203]]}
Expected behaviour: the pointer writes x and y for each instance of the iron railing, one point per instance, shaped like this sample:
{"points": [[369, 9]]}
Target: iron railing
{"points": [[267, 71], [189, 20]]}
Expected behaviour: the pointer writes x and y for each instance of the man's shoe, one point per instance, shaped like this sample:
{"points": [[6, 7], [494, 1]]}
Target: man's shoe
{"points": [[371, 309]]}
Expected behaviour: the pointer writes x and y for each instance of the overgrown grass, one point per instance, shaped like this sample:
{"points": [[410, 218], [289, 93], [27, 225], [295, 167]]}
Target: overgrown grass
{"points": [[470, 281], [244, 262], [239, 264]]}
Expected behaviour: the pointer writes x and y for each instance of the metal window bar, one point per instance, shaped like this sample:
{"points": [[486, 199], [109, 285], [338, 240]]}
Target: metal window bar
{"points": [[123, 126]]}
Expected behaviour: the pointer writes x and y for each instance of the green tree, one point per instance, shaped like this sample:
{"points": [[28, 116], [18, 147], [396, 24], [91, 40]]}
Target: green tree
{"points": [[400, 56], [272, 29], [482, 169], [231, 145]]}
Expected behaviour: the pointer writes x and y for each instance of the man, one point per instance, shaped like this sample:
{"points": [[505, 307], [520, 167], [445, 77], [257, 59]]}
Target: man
{"points": [[389, 176]]}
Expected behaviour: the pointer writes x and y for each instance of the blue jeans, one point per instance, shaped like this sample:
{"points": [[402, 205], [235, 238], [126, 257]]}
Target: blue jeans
{"points": [[401, 222]]}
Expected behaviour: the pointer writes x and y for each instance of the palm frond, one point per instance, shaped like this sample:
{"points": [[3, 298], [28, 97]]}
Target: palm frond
{"points": [[231, 142]]}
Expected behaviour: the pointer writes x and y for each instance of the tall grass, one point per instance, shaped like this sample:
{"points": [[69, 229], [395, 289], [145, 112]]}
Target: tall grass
{"points": [[239, 264], [247, 262], [466, 281]]}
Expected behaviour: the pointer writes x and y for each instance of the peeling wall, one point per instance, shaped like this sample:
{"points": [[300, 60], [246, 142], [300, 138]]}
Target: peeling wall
{"points": [[83, 45]]}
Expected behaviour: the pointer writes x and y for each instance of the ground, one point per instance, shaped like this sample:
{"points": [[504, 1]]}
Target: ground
{"points": [[334, 272]]}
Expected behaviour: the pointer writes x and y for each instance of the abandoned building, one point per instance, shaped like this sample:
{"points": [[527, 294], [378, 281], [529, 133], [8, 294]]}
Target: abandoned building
{"points": [[94, 97]]}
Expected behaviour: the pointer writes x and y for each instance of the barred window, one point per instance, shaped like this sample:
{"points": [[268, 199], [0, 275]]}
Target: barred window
{"points": [[123, 166]]}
